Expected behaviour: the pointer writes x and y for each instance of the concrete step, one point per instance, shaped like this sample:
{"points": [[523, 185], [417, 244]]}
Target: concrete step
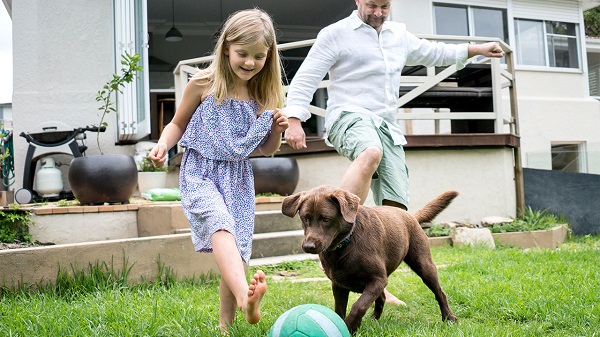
{"points": [[272, 243], [275, 221], [264, 222], [277, 244], [274, 235]]}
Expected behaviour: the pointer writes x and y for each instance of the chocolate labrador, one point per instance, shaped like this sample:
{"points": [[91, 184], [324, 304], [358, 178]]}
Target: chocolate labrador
{"points": [[359, 247]]}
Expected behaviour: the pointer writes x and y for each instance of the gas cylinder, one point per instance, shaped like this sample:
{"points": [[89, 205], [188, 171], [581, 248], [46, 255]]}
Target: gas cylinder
{"points": [[48, 179]]}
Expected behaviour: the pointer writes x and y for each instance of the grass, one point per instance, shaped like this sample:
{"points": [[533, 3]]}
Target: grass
{"points": [[501, 292]]}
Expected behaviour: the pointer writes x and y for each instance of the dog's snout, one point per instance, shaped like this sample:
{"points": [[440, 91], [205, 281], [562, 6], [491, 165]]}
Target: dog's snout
{"points": [[309, 247]]}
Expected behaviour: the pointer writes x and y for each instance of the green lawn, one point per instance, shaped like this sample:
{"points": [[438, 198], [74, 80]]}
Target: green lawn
{"points": [[502, 292]]}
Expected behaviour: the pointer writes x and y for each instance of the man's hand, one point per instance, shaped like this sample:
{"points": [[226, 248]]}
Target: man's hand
{"points": [[490, 49], [280, 122], [294, 135]]}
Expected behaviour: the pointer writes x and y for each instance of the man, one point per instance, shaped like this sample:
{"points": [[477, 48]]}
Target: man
{"points": [[364, 56]]}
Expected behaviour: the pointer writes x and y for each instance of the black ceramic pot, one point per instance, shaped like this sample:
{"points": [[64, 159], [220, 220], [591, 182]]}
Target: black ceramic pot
{"points": [[275, 175], [96, 180]]}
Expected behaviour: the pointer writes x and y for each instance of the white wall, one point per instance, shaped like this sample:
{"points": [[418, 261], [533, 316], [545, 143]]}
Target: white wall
{"points": [[63, 54], [483, 177]]}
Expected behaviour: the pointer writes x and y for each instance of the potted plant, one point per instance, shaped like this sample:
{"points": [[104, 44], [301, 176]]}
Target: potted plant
{"points": [[278, 175], [150, 177], [107, 178]]}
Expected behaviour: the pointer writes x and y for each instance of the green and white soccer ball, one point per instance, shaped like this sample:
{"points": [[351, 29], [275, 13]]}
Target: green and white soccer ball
{"points": [[309, 320]]}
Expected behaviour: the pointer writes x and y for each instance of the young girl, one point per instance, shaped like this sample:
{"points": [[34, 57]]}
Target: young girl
{"points": [[228, 110]]}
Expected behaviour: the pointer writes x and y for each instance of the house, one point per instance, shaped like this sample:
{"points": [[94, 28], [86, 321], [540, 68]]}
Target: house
{"points": [[64, 52], [6, 114]]}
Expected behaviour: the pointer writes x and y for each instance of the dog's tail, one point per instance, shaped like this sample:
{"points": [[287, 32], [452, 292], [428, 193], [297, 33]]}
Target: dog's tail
{"points": [[435, 206]]}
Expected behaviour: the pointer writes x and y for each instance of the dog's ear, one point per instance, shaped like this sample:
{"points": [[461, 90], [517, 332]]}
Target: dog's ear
{"points": [[291, 204], [348, 204]]}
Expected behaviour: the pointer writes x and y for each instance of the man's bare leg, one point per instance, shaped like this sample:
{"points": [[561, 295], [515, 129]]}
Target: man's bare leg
{"points": [[389, 297], [357, 178]]}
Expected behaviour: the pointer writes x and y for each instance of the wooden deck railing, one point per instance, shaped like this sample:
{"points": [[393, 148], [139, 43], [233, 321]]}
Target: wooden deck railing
{"points": [[502, 80]]}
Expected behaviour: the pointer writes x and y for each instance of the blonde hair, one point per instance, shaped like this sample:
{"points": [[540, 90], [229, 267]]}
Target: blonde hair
{"points": [[246, 27]]}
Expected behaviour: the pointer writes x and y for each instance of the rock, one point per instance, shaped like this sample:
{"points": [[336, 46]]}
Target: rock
{"points": [[493, 220], [454, 224], [463, 236]]}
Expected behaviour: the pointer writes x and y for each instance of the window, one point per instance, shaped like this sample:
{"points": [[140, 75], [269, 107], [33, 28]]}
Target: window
{"points": [[568, 157], [547, 43], [133, 101], [470, 21], [594, 79]]}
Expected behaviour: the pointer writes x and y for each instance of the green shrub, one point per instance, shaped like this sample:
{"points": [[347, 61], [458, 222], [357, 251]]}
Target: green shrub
{"points": [[529, 220], [14, 226], [437, 230]]}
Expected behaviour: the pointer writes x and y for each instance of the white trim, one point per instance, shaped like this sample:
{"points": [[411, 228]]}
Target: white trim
{"points": [[548, 69], [478, 3], [555, 10], [583, 57]]}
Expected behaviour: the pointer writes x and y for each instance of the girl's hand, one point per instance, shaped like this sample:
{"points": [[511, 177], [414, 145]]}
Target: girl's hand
{"points": [[158, 154], [280, 122]]}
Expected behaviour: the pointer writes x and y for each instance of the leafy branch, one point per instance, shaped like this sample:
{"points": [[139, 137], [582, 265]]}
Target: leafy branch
{"points": [[128, 74]]}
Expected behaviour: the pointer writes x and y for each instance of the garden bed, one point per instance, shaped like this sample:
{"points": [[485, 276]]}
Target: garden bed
{"points": [[546, 238], [543, 238]]}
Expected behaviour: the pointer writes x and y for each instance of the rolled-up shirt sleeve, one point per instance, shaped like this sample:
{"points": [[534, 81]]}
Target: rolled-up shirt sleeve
{"points": [[319, 60], [431, 53]]}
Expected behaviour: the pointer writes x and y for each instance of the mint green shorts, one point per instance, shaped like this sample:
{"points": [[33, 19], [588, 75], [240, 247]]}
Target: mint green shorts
{"points": [[353, 133]]}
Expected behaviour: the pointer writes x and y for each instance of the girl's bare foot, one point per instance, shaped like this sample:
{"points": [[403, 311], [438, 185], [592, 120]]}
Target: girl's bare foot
{"points": [[256, 291]]}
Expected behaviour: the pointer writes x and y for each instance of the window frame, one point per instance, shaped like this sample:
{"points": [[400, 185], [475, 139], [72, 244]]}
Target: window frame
{"points": [[471, 18], [546, 50], [581, 154]]}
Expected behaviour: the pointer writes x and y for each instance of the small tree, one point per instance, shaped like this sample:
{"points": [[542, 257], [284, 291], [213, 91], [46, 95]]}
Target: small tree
{"points": [[128, 74]]}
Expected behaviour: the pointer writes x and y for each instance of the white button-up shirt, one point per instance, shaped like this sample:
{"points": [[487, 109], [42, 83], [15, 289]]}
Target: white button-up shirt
{"points": [[364, 70]]}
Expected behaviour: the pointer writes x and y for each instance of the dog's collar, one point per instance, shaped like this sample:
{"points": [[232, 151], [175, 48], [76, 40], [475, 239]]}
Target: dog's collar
{"points": [[346, 240]]}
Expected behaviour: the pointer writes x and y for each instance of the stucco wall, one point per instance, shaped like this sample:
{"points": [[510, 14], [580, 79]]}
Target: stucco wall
{"points": [[552, 83], [64, 53], [547, 119], [483, 177], [416, 15]]}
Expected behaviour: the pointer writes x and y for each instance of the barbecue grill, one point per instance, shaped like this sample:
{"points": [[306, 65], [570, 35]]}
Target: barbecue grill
{"points": [[46, 139]]}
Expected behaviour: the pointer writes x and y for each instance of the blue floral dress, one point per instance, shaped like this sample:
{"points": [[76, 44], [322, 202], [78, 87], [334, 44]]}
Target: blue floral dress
{"points": [[216, 180]]}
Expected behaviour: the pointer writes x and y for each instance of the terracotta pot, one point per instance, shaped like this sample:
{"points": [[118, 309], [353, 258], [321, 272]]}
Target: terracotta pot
{"points": [[275, 175], [103, 179]]}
